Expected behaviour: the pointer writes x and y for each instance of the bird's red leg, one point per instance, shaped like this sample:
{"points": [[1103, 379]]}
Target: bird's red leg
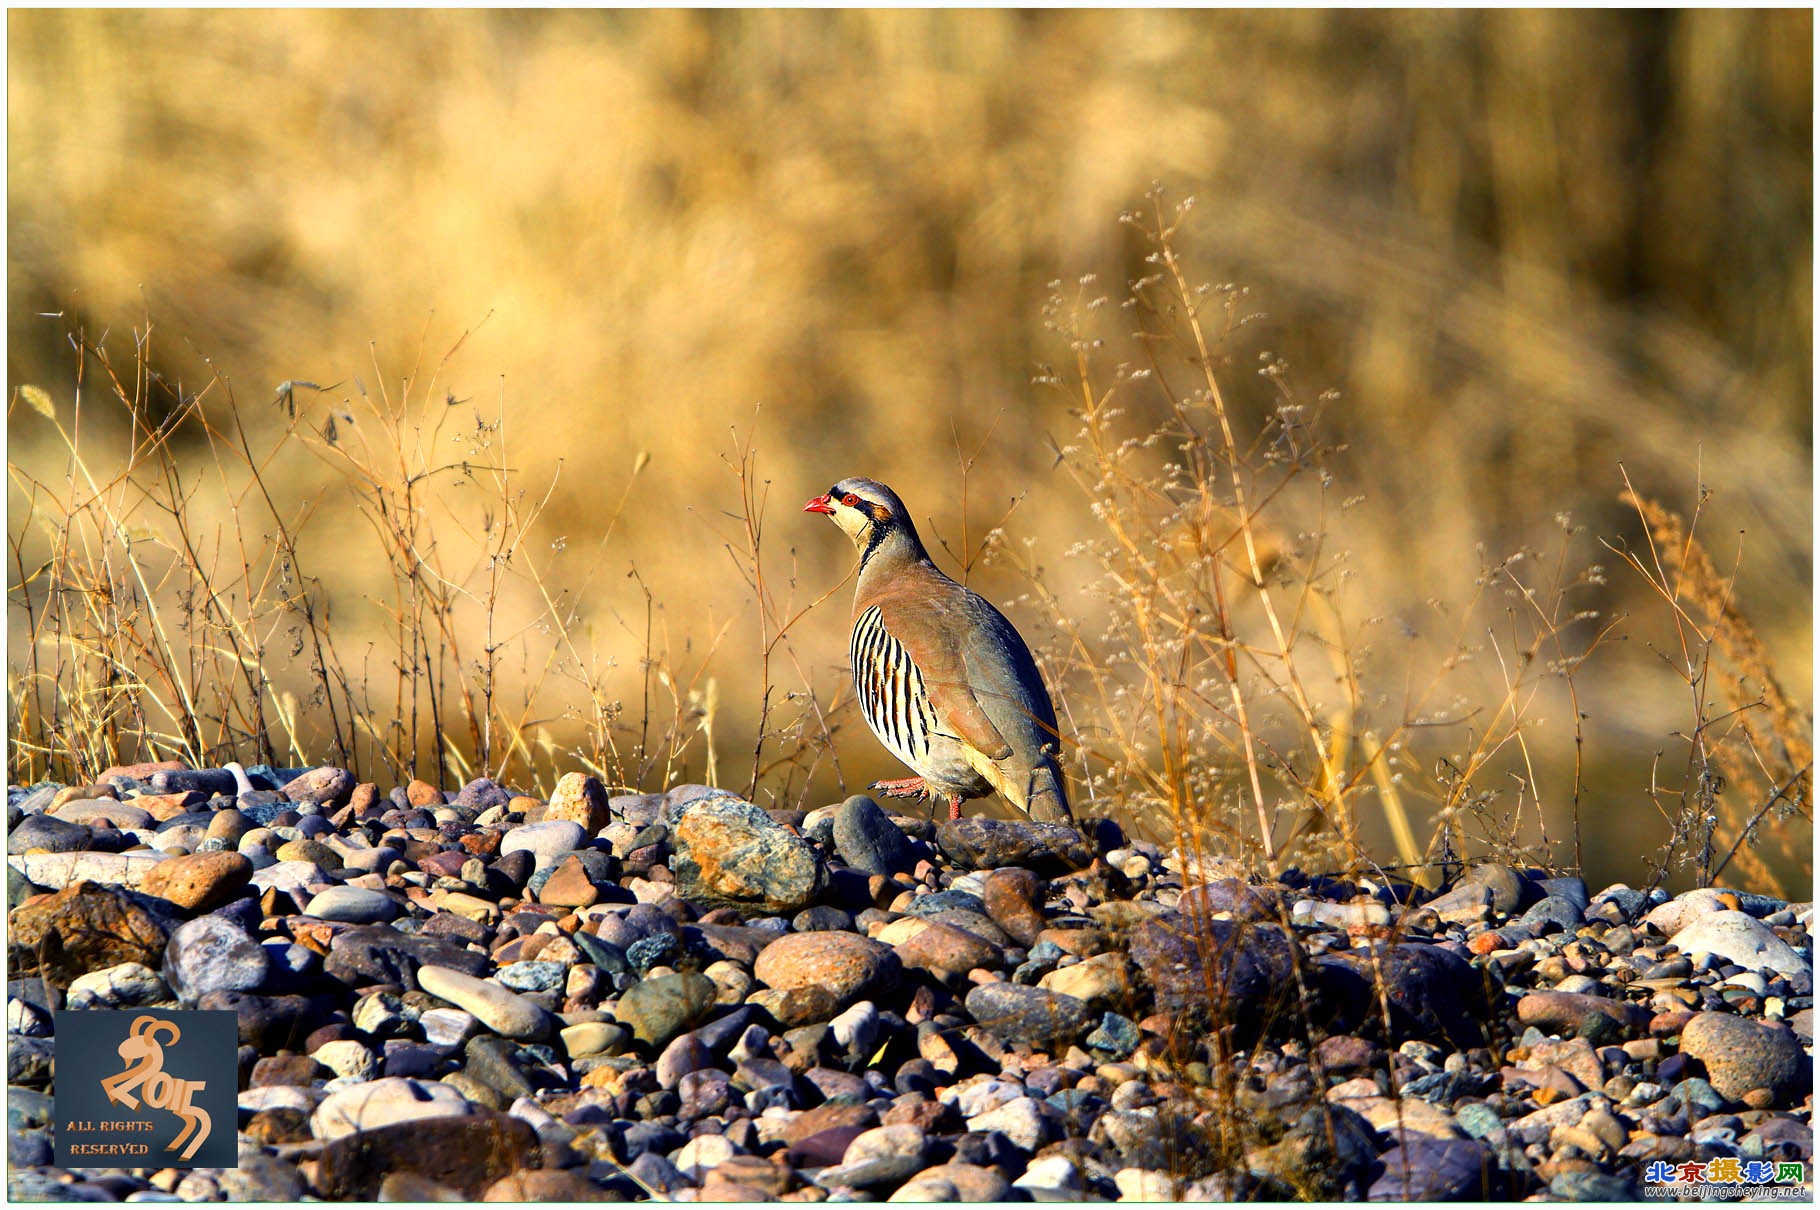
{"points": [[907, 787], [954, 807]]}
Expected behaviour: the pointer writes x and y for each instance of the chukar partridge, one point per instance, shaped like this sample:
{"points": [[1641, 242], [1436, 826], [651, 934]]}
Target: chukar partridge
{"points": [[944, 680]]}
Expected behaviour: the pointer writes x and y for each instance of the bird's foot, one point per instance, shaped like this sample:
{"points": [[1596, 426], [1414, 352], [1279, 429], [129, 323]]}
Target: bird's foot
{"points": [[954, 807], [905, 787]]}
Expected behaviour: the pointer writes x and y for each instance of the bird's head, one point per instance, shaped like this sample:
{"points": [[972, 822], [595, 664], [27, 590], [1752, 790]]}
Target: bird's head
{"points": [[866, 510]]}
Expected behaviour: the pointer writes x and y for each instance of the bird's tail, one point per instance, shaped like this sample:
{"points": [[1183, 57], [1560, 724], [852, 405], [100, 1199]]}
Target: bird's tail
{"points": [[1036, 787], [1046, 795]]}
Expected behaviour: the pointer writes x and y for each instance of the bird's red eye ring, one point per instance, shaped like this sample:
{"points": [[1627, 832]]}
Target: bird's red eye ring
{"points": [[850, 500]]}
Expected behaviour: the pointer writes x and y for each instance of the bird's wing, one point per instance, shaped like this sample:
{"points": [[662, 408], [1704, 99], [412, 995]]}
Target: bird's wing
{"points": [[930, 624]]}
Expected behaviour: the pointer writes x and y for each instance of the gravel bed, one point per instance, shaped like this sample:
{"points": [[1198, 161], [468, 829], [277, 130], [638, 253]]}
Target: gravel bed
{"points": [[683, 996]]}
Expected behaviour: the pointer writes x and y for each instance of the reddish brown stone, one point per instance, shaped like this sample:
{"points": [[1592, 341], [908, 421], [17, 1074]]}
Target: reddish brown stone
{"points": [[71, 794], [200, 881], [295, 1071], [444, 865], [569, 886], [931, 1116], [274, 1126], [1082, 943], [521, 949], [1013, 898], [828, 1117], [1485, 943], [141, 771], [748, 1172], [317, 935], [544, 1185], [845, 965], [1667, 1025], [423, 794], [327, 786], [1574, 1013], [163, 806], [481, 844], [468, 1154], [942, 947]]}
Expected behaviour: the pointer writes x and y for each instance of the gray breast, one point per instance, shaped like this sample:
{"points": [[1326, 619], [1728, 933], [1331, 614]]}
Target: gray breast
{"points": [[891, 695]]}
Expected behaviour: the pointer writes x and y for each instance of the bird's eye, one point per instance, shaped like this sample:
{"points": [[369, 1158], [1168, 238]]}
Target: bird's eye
{"points": [[850, 500]]}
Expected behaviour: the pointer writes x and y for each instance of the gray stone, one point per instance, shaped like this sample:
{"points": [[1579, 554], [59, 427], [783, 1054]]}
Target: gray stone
{"points": [[49, 833], [353, 905], [1737, 937], [977, 843], [378, 954], [533, 976], [548, 842], [126, 985], [656, 1010], [1023, 1121], [868, 840], [383, 1102], [1017, 1013], [212, 954], [1435, 1170], [499, 1010]]}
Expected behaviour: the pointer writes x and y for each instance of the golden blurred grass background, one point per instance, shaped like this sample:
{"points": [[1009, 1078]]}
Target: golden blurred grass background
{"points": [[1523, 246]]}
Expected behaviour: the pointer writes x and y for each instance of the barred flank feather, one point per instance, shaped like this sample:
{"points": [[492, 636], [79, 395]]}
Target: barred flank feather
{"points": [[891, 694]]}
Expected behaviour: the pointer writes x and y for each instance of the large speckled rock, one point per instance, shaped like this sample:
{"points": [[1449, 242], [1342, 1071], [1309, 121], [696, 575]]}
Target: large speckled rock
{"points": [[86, 927], [977, 843], [730, 853], [1741, 1054], [934, 946]]}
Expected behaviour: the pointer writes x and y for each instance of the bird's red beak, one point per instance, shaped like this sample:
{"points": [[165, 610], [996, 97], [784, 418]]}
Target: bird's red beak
{"points": [[821, 504]]}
